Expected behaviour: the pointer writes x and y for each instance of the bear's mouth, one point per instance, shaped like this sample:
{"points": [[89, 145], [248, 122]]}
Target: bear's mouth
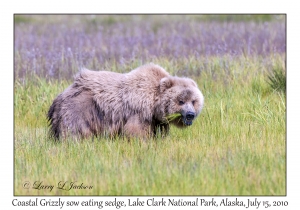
{"points": [[185, 118], [188, 118], [187, 122]]}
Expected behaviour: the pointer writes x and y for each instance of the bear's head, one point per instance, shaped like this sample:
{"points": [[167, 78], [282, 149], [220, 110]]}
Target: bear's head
{"points": [[181, 101]]}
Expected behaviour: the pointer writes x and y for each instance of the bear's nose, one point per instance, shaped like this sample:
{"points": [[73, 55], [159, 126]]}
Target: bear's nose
{"points": [[190, 115]]}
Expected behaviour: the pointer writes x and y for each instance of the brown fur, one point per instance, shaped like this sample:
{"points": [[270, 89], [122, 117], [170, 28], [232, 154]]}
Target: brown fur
{"points": [[133, 104]]}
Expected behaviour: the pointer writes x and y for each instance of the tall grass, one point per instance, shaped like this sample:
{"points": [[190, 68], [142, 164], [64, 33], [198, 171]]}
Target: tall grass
{"points": [[277, 79], [56, 46], [235, 147]]}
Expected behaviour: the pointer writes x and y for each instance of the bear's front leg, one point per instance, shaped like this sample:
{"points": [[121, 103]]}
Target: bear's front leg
{"points": [[136, 128], [164, 129]]}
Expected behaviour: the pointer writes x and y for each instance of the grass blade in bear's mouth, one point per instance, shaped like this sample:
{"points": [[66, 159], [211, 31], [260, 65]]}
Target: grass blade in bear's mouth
{"points": [[172, 117]]}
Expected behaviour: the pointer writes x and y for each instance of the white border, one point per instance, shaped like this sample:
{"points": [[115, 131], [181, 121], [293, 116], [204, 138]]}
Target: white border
{"points": [[112, 6]]}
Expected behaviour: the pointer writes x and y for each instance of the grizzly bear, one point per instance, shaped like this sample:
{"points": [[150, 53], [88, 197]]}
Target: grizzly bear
{"points": [[134, 104]]}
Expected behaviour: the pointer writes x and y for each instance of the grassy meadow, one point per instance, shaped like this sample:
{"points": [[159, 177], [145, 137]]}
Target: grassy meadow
{"points": [[237, 146]]}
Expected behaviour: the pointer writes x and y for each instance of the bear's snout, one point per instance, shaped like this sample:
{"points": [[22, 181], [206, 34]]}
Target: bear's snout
{"points": [[190, 115]]}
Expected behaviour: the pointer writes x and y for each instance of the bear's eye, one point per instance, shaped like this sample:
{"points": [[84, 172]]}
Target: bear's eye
{"points": [[181, 102], [193, 102]]}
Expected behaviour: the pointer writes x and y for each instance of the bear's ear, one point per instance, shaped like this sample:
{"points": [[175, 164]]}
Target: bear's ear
{"points": [[165, 83], [194, 83]]}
